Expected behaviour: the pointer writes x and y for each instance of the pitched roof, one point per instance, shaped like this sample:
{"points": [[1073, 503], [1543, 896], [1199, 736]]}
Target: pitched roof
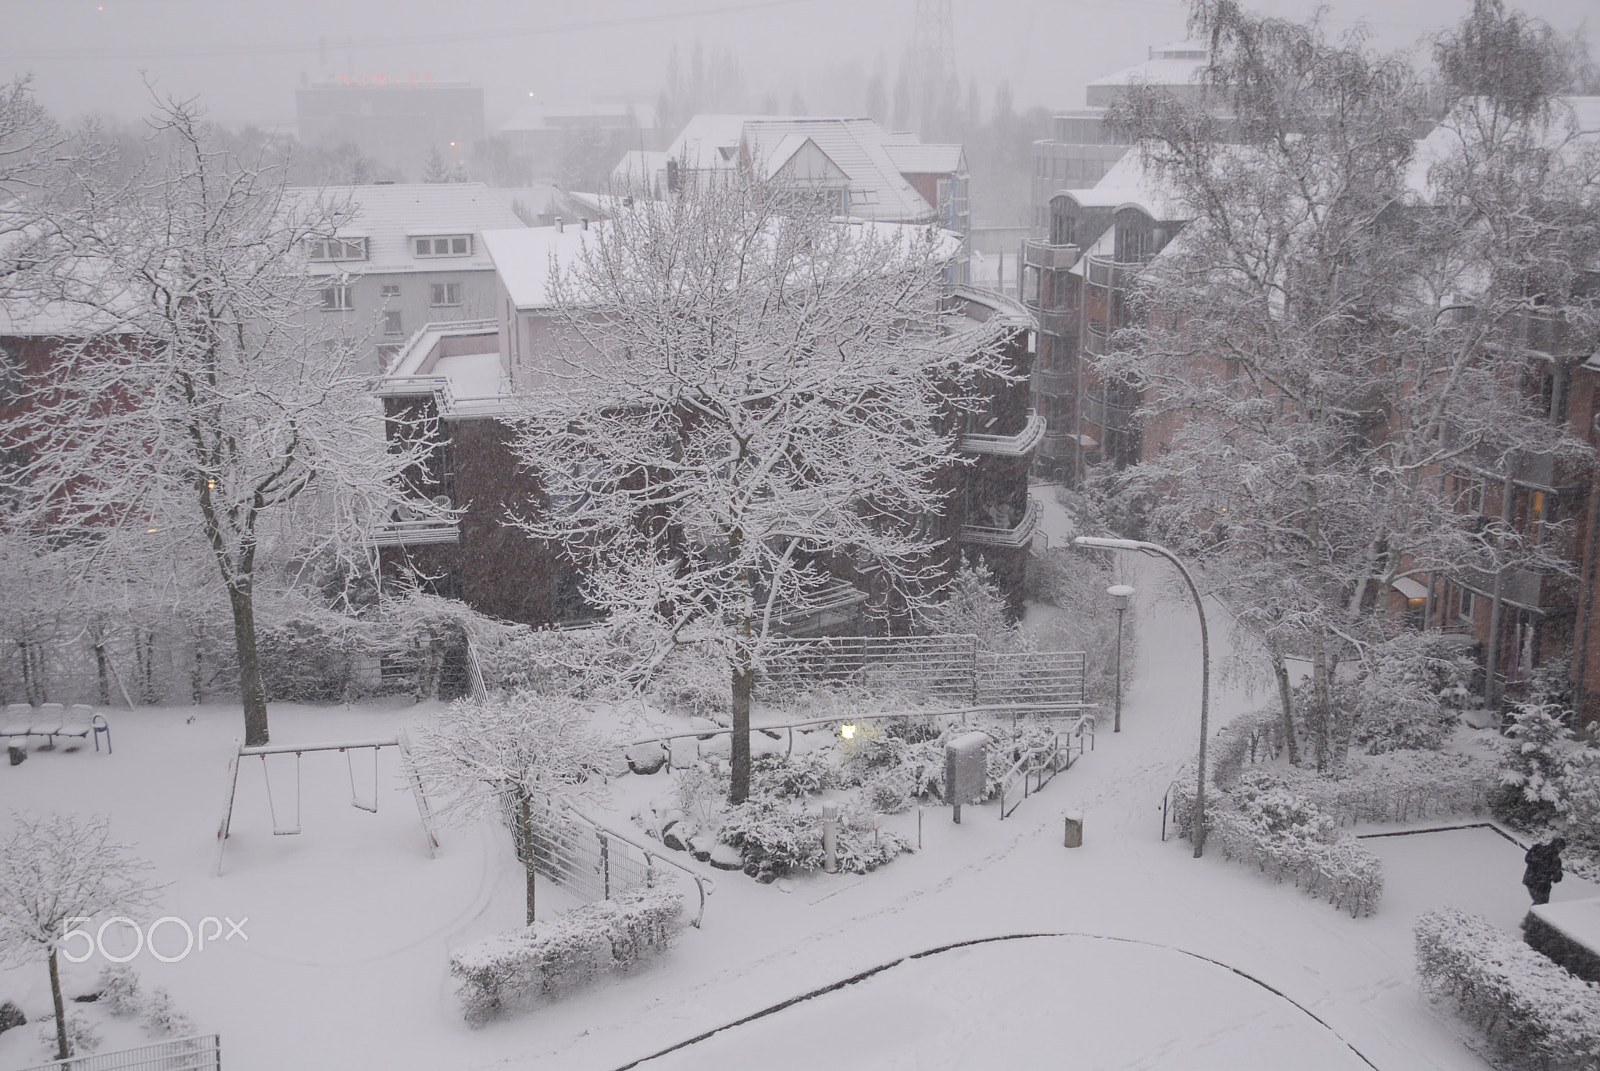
{"points": [[389, 216], [869, 155], [525, 256]]}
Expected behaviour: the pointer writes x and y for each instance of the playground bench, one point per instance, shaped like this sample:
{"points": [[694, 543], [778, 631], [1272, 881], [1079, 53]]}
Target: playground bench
{"points": [[52, 720]]}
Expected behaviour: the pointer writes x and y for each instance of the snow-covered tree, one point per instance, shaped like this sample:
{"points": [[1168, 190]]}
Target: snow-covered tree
{"points": [[1302, 335], [55, 873], [507, 758], [200, 403], [761, 396]]}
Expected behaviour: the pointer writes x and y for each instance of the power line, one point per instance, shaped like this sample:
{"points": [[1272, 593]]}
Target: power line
{"points": [[268, 48]]}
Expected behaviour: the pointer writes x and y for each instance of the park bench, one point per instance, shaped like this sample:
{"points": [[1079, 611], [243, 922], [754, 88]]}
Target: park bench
{"points": [[53, 720]]}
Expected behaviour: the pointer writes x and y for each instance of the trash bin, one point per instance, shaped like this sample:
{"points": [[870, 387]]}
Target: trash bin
{"points": [[1074, 834]]}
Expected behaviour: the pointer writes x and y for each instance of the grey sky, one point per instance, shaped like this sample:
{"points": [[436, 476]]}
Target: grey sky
{"points": [[245, 59]]}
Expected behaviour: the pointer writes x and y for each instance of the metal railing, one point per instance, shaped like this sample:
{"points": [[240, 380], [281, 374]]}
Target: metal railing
{"points": [[1038, 766], [416, 532], [1023, 442], [200, 1053], [1019, 535], [595, 862], [1049, 255], [1058, 382]]}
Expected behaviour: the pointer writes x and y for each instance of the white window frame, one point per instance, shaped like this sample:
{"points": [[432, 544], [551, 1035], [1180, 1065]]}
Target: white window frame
{"points": [[444, 290], [337, 297], [390, 290], [326, 250], [441, 245]]}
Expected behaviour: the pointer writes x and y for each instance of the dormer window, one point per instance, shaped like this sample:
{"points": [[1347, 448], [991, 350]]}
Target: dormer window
{"points": [[325, 249], [443, 245]]}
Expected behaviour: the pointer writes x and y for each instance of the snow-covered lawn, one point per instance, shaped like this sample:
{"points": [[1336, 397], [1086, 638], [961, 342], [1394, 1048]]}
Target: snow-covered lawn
{"points": [[350, 923]]}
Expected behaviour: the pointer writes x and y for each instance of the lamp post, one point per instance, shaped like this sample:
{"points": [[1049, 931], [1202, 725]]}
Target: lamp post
{"points": [[1120, 594], [1205, 665]]}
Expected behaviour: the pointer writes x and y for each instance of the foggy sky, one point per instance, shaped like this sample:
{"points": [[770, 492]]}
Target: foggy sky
{"points": [[246, 59]]}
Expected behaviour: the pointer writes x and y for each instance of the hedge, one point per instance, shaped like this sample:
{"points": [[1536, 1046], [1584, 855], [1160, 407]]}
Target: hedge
{"points": [[552, 957], [1535, 1012]]}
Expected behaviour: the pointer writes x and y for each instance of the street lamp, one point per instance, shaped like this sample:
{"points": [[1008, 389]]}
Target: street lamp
{"points": [[1120, 594], [1205, 665]]}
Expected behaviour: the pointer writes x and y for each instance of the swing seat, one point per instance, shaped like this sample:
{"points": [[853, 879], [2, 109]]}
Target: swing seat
{"points": [[355, 800], [272, 807]]}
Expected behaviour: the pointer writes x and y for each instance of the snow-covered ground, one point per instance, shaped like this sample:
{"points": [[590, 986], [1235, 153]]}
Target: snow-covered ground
{"points": [[350, 922]]}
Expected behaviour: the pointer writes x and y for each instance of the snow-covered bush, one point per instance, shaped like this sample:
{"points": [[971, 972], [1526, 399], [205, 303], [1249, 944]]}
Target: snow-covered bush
{"points": [[119, 990], [1532, 765], [693, 681], [1537, 1014], [773, 837], [793, 777], [554, 956], [861, 846], [1408, 695], [160, 1016], [1262, 822], [702, 793], [1399, 786], [82, 1038], [1245, 741], [1580, 804], [889, 791], [974, 606], [11, 1016]]}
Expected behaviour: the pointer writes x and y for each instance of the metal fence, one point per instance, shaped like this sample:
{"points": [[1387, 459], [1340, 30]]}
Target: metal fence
{"points": [[200, 1053], [934, 667], [594, 862], [1038, 766]]}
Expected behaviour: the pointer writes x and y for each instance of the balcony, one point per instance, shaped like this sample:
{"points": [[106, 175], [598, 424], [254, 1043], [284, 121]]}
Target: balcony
{"points": [[1529, 589], [1063, 323], [416, 525], [1061, 384], [1018, 536], [1059, 444], [1103, 271], [1036, 254], [833, 605], [1023, 442], [1544, 333], [1097, 341]]}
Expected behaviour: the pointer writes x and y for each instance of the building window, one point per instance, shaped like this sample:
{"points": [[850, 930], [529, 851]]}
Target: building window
{"points": [[440, 294], [391, 290], [338, 248], [391, 324], [450, 245], [336, 299]]}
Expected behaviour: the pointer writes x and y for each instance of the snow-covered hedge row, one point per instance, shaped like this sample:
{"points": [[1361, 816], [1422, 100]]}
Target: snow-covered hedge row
{"points": [[775, 838], [554, 956], [1537, 1013], [1286, 836], [1399, 786]]}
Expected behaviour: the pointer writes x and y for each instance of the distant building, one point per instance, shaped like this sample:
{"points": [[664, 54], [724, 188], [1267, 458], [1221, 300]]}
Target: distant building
{"points": [[413, 254], [397, 119], [867, 171], [1082, 148], [575, 145]]}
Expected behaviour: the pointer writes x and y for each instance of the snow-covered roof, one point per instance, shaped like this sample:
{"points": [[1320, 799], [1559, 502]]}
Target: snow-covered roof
{"points": [[874, 160], [1576, 126], [1178, 64], [389, 217], [525, 257], [1130, 183]]}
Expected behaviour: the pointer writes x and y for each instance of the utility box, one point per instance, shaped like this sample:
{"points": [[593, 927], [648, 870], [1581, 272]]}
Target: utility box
{"points": [[1074, 834], [966, 769]]}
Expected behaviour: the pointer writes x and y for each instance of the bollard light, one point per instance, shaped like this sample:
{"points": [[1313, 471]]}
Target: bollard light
{"points": [[848, 731]]}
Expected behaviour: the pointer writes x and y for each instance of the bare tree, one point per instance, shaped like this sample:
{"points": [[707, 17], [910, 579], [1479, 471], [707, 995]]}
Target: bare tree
{"points": [[55, 872], [199, 402], [506, 758], [762, 399]]}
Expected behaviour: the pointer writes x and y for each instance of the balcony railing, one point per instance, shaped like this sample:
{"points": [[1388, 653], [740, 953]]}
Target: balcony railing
{"points": [[408, 526], [1531, 589], [1059, 444], [1104, 271], [1544, 333], [1018, 536], [1096, 340], [1063, 323], [1058, 383], [1038, 254], [1023, 442]]}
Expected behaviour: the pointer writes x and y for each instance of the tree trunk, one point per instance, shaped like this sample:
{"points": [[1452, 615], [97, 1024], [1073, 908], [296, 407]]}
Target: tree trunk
{"points": [[61, 1011], [743, 685], [1322, 706], [525, 815], [252, 691], [1286, 699]]}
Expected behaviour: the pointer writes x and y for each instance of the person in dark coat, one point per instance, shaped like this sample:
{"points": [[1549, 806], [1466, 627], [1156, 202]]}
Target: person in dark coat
{"points": [[1544, 869]]}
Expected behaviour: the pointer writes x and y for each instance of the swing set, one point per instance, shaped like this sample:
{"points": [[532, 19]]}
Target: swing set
{"points": [[281, 825]]}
